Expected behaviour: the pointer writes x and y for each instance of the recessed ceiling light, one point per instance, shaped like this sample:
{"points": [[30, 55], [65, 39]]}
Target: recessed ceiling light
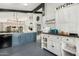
{"points": [[25, 4]]}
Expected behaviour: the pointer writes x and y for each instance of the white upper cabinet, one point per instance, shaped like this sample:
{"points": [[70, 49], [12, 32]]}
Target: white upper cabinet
{"points": [[67, 18]]}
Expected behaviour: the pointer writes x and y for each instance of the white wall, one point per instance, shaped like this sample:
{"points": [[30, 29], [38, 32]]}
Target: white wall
{"points": [[10, 16], [26, 17], [50, 10], [4, 16], [66, 18]]}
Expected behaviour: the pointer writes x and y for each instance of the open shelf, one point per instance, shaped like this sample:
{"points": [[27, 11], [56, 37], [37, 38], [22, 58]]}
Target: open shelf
{"points": [[70, 51]]}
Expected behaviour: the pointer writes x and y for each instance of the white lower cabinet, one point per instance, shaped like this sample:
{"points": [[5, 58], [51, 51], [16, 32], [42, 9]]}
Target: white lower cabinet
{"points": [[54, 44], [51, 43], [51, 46], [69, 46], [43, 41], [77, 47], [60, 45]]}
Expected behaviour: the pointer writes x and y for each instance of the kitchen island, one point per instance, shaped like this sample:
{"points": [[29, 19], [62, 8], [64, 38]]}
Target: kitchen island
{"points": [[16, 39]]}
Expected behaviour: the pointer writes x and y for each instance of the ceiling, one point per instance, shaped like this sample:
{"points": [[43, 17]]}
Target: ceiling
{"points": [[19, 6]]}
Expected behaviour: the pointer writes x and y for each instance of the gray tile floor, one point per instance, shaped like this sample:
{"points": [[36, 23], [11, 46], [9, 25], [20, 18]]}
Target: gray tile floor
{"points": [[31, 49]]}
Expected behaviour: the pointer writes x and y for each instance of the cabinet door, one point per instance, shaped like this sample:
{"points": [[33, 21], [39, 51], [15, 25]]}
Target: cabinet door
{"points": [[33, 37], [57, 48], [51, 46], [22, 39], [28, 37], [54, 44], [15, 40]]}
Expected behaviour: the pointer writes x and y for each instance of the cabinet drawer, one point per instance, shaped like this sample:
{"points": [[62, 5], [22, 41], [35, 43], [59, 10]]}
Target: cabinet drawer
{"points": [[43, 36], [54, 48], [56, 38], [51, 47], [68, 39]]}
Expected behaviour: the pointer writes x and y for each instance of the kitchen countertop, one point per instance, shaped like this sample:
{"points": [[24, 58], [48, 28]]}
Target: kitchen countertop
{"points": [[59, 35], [15, 33], [7, 33]]}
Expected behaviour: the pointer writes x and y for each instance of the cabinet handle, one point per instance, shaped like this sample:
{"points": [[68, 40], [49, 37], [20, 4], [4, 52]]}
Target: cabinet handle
{"points": [[52, 46], [57, 37], [67, 39], [43, 37]]}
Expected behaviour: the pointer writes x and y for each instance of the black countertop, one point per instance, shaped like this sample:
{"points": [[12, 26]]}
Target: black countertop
{"points": [[60, 35]]}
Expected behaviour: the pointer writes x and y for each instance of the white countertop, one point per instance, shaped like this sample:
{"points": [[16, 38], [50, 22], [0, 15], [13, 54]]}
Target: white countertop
{"points": [[15, 33], [9, 33]]}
